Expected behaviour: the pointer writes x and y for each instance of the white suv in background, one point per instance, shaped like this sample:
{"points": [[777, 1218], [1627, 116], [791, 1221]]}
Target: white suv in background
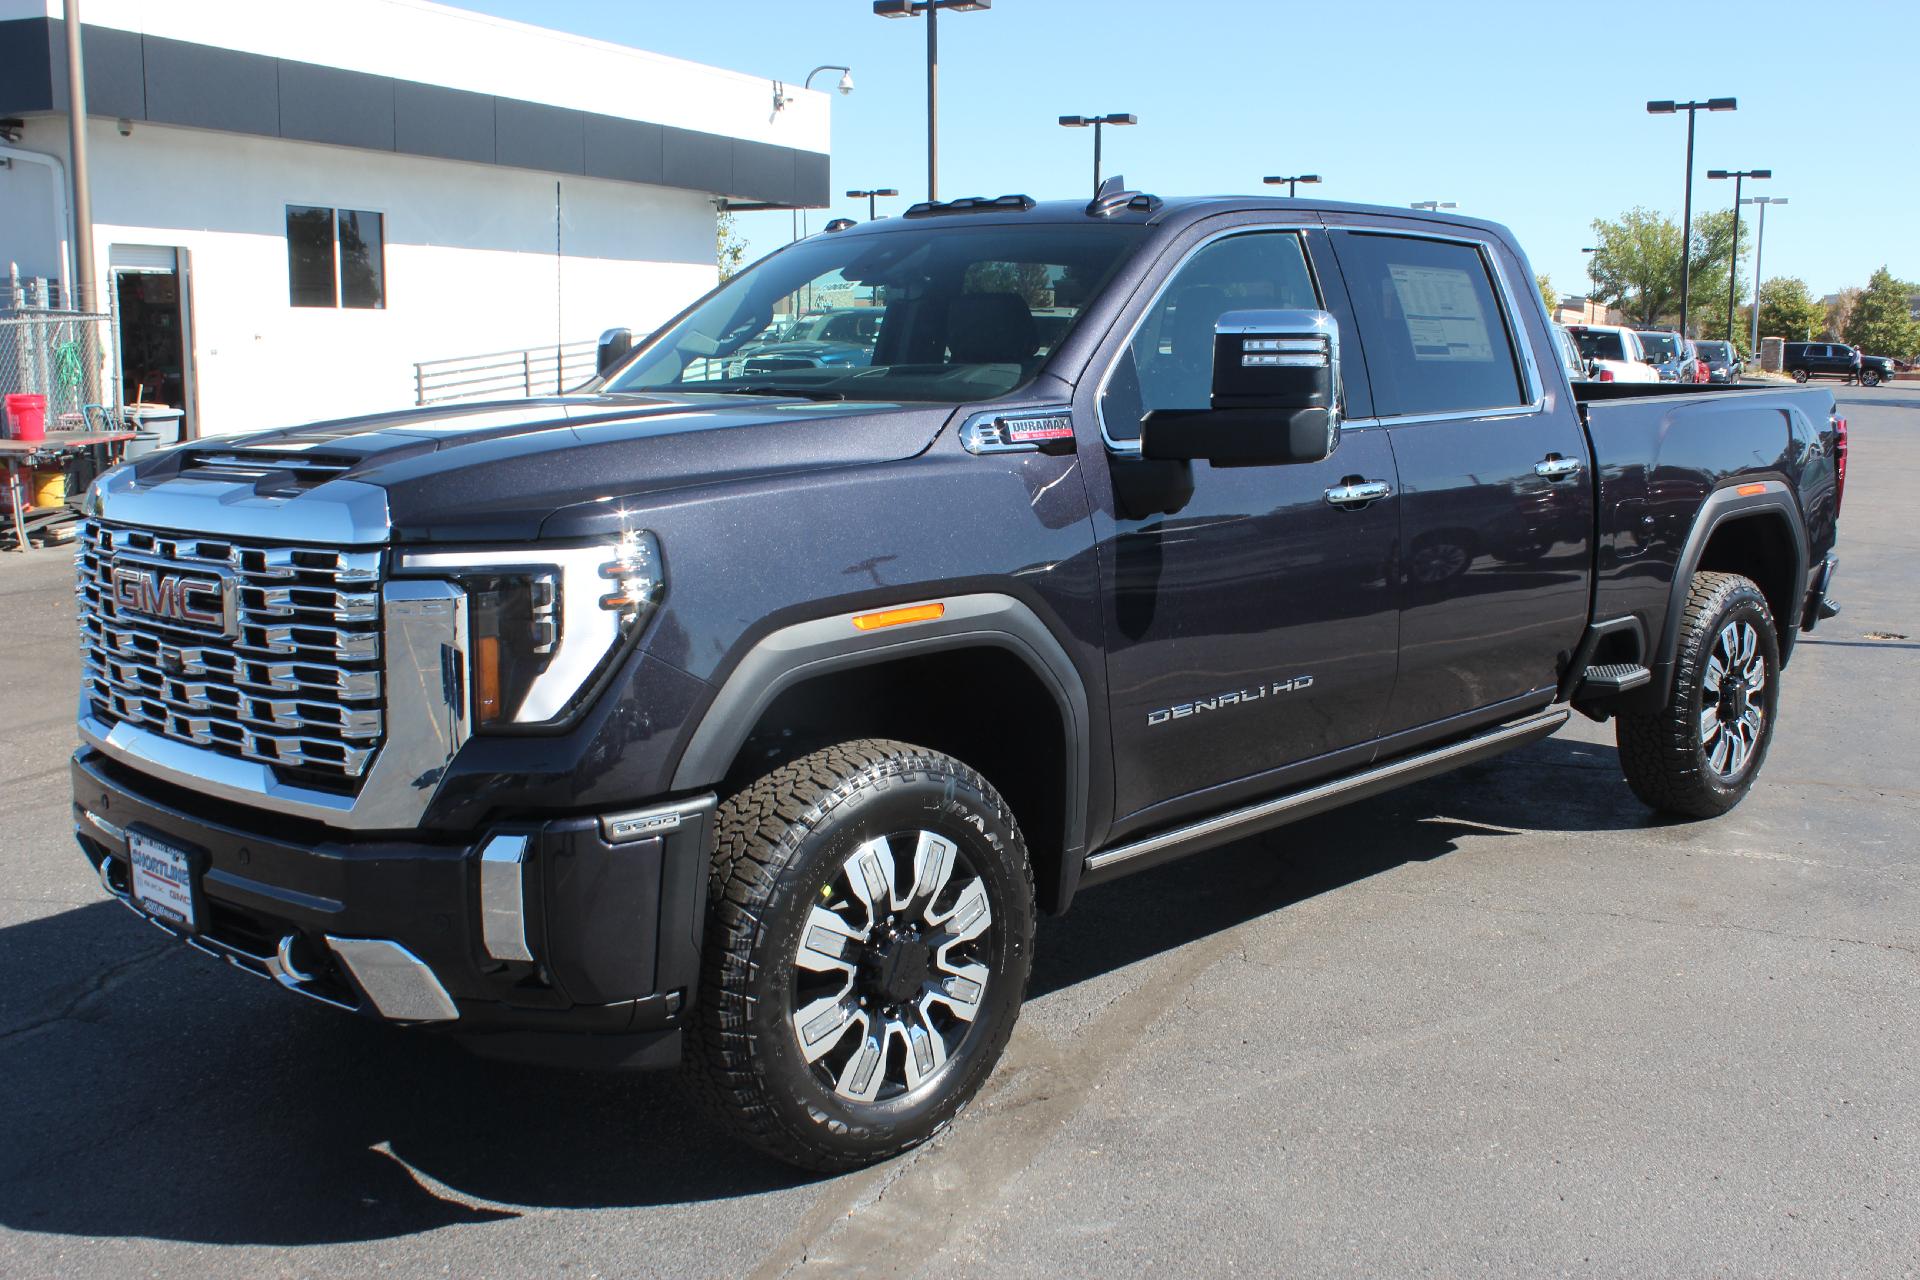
{"points": [[1613, 352]]}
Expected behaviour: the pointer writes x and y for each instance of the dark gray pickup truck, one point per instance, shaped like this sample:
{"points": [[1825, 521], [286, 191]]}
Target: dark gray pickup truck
{"points": [[749, 717]]}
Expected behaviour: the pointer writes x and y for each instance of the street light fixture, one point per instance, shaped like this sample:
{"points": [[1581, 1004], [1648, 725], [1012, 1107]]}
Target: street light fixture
{"points": [[1667, 107], [1733, 263], [930, 10], [1082, 122], [1433, 206], [1292, 181], [1759, 247], [868, 196], [846, 78]]}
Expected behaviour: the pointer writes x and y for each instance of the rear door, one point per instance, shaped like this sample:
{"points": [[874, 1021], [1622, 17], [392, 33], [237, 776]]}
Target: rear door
{"points": [[1496, 499]]}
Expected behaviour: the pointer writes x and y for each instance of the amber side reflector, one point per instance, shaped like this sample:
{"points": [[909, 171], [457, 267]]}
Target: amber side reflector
{"points": [[486, 679], [894, 617], [1748, 490]]}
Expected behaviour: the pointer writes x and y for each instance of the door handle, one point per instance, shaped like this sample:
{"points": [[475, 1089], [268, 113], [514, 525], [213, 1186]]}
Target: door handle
{"points": [[1554, 467], [1358, 493]]}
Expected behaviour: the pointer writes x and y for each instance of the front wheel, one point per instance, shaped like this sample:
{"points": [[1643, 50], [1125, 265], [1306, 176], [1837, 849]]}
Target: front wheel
{"points": [[866, 955], [1870, 379], [1698, 755]]}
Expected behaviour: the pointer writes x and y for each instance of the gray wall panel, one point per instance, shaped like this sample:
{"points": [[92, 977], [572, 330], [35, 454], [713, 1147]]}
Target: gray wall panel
{"points": [[624, 150], [26, 66], [700, 161], [812, 179], [532, 135], [345, 108], [762, 171], [116, 74], [208, 88], [449, 123]]}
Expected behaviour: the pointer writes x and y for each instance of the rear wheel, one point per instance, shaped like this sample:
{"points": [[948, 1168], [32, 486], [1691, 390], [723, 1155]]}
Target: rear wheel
{"points": [[1699, 754], [867, 954], [1799, 375]]}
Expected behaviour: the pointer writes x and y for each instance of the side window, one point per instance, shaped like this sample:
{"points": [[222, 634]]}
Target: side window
{"points": [[1436, 341], [1169, 364]]}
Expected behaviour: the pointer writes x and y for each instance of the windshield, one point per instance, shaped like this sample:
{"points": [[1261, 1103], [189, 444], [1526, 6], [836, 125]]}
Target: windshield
{"points": [[937, 312], [1660, 347], [1600, 344]]}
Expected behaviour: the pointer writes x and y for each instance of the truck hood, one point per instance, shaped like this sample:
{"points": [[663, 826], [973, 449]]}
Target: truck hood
{"points": [[496, 471]]}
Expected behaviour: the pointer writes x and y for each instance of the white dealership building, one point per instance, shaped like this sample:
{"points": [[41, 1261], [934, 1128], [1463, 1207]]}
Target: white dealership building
{"points": [[292, 207]]}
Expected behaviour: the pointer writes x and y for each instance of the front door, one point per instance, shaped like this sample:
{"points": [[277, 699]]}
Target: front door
{"points": [[1253, 627], [1496, 502]]}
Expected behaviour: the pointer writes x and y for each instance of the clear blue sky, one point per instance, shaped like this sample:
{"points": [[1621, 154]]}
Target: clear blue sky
{"points": [[1531, 114]]}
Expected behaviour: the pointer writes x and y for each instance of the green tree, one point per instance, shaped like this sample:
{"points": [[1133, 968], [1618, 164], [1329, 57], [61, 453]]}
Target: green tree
{"points": [[1713, 257], [1882, 323], [1789, 310], [1547, 293], [1637, 266], [729, 250], [1840, 313]]}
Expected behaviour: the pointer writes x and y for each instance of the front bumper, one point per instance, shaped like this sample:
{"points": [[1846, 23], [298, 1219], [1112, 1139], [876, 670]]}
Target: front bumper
{"points": [[523, 936]]}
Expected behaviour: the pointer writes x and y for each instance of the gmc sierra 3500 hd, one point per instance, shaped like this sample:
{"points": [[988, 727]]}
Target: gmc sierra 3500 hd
{"points": [[751, 714]]}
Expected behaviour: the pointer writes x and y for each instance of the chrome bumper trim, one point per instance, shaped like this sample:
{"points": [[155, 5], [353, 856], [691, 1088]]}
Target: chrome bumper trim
{"points": [[426, 681], [503, 911], [399, 983]]}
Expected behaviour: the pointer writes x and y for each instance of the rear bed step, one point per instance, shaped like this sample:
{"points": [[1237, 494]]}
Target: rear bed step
{"points": [[1611, 678]]}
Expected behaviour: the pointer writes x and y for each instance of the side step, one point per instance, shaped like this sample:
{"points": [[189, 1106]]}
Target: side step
{"points": [[1613, 677], [1222, 828]]}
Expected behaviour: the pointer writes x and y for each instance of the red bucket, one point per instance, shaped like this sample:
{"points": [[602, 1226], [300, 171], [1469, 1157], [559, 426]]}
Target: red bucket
{"points": [[28, 415]]}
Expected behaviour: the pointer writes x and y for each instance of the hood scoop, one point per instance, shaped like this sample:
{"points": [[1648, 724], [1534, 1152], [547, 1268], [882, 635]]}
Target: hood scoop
{"points": [[270, 472]]}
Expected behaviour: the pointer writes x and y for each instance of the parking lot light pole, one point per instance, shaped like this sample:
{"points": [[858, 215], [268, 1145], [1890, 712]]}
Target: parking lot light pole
{"points": [[930, 10], [1082, 122], [1593, 281], [1733, 265], [1433, 206], [1759, 247], [1292, 182], [868, 196], [1667, 107]]}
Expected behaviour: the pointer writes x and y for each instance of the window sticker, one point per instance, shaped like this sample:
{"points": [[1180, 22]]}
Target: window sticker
{"points": [[1442, 311]]}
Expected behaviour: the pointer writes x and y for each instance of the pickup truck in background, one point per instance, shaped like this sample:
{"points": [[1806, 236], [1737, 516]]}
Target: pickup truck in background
{"points": [[752, 720], [1613, 353]]}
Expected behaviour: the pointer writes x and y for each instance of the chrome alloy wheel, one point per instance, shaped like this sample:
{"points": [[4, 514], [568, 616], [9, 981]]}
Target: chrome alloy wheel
{"points": [[888, 983], [1733, 715]]}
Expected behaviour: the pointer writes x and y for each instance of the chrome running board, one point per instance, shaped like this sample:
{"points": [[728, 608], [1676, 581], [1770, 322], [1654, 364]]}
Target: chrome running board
{"points": [[1266, 814]]}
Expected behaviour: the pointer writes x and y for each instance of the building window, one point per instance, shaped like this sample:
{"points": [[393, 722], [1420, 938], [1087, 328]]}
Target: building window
{"points": [[336, 257]]}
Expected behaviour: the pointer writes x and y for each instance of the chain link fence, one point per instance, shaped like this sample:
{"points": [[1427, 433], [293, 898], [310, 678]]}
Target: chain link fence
{"points": [[66, 356]]}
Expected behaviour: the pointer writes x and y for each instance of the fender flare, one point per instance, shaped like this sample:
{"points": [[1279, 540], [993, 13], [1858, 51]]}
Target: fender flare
{"points": [[797, 653], [1726, 504]]}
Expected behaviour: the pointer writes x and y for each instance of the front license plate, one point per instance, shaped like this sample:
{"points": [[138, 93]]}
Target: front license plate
{"points": [[162, 878]]}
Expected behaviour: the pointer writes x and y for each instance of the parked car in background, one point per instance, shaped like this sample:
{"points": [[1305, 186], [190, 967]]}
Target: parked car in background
{"points": [[1875, 370], [1570, 358], [1820, 360], [1612, 353], [1723, 362], [842, 338], [1670, 354]]}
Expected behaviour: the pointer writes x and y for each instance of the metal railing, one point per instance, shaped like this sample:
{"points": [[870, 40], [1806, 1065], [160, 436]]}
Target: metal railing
{"points": [[534, 371]]}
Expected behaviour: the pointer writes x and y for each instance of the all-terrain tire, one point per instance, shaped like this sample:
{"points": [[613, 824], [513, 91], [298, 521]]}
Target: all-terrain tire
{"points": [[794, 841], [1674, 758]]}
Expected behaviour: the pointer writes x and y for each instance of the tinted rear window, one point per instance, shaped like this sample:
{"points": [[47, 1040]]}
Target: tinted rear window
{"points": [[1600, 344]]}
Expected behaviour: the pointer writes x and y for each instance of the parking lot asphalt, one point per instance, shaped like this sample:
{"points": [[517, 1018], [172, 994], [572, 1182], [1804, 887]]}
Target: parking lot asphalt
{"points": [[1502, 1021]]}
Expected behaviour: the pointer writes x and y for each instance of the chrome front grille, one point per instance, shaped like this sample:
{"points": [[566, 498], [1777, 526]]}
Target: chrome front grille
{"points": [[275, 657]]}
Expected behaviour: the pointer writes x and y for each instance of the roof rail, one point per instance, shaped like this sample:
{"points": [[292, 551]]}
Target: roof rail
{"points": [[968, 204], [1114, 196]]}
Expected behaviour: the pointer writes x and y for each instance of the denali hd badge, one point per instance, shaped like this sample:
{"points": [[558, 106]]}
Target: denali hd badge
{"points": [[1223, 701]]}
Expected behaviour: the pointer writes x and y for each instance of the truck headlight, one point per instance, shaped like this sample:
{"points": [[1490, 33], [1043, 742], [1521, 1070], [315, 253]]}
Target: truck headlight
{"points": [[545, 621]]}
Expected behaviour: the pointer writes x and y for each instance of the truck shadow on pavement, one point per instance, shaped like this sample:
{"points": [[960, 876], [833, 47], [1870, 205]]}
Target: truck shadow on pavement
{"points": [[164, 1096]]}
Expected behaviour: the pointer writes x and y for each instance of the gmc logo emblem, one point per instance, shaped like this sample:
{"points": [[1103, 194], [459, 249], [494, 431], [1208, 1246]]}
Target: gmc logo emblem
{"points": [[195, 600]]}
